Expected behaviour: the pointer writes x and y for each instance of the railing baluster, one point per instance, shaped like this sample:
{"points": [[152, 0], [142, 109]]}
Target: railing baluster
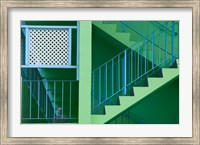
{"points": [[70, 101], [99, 85], [135, 66], [93, 91], [138, 65], [141, 62], [106, 82], [131, 66], [153, 51], [159, 49], [165, 41], [30, 100], [62, 98], [145, 56], [119, 72], [38, 99], [125, 54], [54, 99], [172, 42], [112, 76], [46, 103]]}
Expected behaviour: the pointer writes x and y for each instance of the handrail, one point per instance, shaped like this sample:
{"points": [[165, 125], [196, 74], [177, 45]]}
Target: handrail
{"points": [[146, 37], [161, 25], [126, 69]]}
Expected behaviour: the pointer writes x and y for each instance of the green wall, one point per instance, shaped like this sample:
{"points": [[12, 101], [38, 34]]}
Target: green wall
{"points": [[160, 107], [85, 70]]}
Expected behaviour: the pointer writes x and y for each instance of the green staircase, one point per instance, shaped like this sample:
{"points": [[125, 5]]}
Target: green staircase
{"points": [[51, 75], [122, 37], [139, 93], [134, 41]]}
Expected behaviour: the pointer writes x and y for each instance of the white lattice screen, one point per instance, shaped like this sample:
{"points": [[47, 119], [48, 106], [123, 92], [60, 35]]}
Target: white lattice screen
{"points": [[49, 46]]}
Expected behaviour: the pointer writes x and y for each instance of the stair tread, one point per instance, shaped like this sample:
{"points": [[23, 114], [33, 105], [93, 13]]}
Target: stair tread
{"points": [[140, 93]]}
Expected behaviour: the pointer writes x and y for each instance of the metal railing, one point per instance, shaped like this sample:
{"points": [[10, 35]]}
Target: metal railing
{"points": [[50, 100], [117, 76]]}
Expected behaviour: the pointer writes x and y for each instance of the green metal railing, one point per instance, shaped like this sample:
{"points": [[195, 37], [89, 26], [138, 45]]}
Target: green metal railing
{"points": [[117, 76]]}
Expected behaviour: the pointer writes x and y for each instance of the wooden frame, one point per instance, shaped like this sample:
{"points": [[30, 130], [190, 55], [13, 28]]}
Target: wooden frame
{"points": [[5, 5]]}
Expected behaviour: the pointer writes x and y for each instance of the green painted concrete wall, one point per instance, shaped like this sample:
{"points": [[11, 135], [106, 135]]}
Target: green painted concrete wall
{"points": [[104, 47], [85, 69], [160, 107]]}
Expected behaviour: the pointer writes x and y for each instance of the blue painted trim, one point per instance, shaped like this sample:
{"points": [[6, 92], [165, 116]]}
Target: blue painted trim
{"points": [[24, 32], [48, 66], [70, 48], [78, 51], [48, 27], [27, 47]]}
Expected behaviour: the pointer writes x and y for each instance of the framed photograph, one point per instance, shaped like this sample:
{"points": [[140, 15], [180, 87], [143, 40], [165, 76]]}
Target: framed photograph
{"points": [[100, 72]]}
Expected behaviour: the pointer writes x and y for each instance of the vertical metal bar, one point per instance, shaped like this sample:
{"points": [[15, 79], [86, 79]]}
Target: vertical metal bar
{"points": [[141, 64], [30, 99], [106, 81], [78, 50], [112, 76], [135, 66], [93, 91], [159, 49], [172, 42], [165, 41], [125, 71], [27, 47], [62, 97], [138, 67], [153, 50], [119, 72], [70, 101], [38, 99], [131, 61], [46, 103], [70, 47], [99, 85], [145, 56], [129, 68], [54, 99]]}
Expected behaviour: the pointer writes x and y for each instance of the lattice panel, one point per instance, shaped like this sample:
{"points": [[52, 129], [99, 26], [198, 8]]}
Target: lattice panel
{"points": [[49, 47]]}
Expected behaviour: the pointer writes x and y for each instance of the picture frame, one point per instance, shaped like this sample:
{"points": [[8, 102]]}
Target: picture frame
{"points": [[6, 5]]}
